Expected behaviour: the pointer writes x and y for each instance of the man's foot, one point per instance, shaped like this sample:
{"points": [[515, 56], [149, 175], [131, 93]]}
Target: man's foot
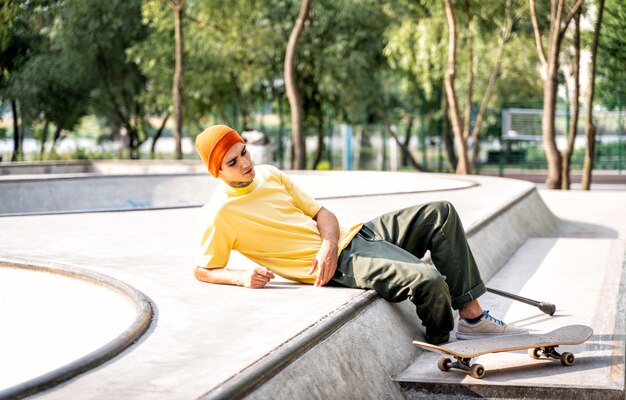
{"points": [[486, 327]]}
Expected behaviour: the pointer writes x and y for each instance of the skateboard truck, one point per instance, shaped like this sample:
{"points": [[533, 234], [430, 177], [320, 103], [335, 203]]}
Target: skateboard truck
{"points": [[567, 358], [475, 371], [478, 371]]}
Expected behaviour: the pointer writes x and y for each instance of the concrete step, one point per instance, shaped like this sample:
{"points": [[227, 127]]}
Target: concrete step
{"points": [[584, 278]]}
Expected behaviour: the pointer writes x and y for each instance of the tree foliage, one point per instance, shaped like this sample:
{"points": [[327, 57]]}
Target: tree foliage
{"points": [[611, 87], [358, 61]]}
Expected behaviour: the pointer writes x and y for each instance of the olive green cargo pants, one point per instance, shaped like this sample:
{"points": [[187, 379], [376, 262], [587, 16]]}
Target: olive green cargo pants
{"points": [[386, 256]]}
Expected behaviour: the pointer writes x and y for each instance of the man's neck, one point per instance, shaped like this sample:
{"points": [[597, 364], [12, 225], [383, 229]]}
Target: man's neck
{"points": [[238, 185]]}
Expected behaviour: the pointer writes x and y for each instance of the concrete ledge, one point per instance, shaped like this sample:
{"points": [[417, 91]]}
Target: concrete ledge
{"points": [[143, 318], [97, 192], [55, 194], [101, 167]]}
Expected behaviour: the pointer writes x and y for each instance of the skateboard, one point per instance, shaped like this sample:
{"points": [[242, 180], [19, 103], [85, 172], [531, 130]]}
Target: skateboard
{"points": [[538, 345]]}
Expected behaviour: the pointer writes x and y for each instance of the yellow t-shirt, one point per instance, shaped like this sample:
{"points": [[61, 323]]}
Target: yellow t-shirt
{"points": [[269, 221]]}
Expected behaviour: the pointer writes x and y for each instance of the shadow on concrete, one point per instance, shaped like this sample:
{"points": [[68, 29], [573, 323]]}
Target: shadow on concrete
{"points": [[575, 229]]}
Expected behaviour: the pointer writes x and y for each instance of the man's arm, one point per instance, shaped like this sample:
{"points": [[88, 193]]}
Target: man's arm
{"points": [[254, 278], [325, 260]]}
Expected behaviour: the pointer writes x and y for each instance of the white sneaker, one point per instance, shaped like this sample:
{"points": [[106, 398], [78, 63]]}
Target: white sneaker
{"points": [[487, 327]]}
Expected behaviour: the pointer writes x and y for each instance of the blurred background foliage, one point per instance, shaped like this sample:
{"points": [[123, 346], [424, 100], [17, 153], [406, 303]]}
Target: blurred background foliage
{"points": [[89, 68]]}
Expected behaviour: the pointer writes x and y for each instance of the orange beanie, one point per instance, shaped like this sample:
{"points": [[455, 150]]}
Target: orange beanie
{"points": [[213, 144]]}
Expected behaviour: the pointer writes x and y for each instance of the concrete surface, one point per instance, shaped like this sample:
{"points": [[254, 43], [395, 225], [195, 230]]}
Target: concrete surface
{"points": [[207, 335]]}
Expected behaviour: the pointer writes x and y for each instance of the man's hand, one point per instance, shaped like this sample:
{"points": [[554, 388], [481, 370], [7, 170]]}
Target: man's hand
{"points": [[255, 278], [325, 262]]}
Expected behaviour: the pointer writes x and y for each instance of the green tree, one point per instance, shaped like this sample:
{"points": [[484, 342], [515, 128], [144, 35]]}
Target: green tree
{"points": [[416, 51], [234, 53], [560, 16], [342, 65], [18, 42], [98, 35], [611, 74]]}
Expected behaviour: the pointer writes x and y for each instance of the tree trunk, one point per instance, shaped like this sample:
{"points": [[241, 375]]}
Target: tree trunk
{"points": [[56, 138], [44, 139], [467, 118], [448, 139], [157, 135], [134, 142], [17, 150], [319, 154], [407, 139], [590, 128], [553, 156], [462, 166], [295, 102], [405, 150], [558, 25], [177, 84], [573, 123], [281, 127]]}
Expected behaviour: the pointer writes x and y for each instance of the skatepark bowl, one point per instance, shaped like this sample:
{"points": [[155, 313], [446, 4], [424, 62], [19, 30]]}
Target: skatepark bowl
{"points": [[98, 299], [57, 322]]}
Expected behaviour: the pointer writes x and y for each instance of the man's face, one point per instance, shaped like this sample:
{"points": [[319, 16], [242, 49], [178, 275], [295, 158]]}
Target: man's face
{"points": [[237, 169]]}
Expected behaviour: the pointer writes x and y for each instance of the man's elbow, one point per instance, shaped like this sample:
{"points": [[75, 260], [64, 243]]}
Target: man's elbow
{"points": [[324, 213], [198, 273]]}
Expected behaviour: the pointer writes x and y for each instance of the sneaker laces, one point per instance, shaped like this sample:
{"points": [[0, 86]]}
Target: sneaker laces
{"points": [[488, 316]]}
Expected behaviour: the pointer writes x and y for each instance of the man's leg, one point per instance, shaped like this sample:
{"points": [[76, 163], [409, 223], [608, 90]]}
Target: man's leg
{"points": [[397, 275], [436, 227]]}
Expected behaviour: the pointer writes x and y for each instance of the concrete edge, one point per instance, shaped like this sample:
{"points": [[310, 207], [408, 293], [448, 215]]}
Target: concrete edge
{"points": [[471, 183], [620, 328], [529, 391], [91, 175], [478, 225], [143, 319], [258, 373]]}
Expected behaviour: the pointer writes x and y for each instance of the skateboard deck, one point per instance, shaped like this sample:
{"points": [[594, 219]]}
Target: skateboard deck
{"points": [[538, 345]]}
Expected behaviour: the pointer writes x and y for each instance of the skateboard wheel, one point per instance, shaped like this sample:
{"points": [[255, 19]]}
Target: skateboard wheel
{"points": [[444, 364], [477, 371], [567, 359], [534, 353]]}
